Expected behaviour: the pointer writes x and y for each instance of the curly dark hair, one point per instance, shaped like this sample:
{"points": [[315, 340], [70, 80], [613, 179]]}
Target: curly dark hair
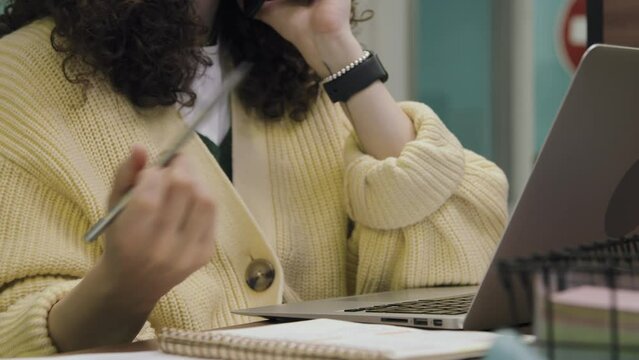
{"points": [[147, 50]]}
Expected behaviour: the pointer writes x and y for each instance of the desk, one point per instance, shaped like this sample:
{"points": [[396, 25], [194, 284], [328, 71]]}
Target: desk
{"points": [[137, 346], [152, 344]]}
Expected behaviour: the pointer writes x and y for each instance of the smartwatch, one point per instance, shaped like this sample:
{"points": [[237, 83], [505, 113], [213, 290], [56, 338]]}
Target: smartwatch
{"points": [[341, 88]]}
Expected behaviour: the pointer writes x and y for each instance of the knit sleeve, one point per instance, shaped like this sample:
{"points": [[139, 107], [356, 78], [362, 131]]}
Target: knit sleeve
{"points": [[431, 217], [45, 204], [23, 325], [42, 258], [452, 246], [23, 322], [38, 263], [398, 192]]}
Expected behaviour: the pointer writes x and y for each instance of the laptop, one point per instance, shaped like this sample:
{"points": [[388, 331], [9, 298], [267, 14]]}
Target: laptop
{"points": [[584, 188]]}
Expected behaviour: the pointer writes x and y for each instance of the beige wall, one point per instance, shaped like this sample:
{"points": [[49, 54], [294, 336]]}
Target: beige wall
{"points": [[388, 34]]}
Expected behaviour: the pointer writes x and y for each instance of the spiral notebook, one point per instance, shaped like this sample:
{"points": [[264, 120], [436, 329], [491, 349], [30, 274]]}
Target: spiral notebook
{"points": [[327, 339]]}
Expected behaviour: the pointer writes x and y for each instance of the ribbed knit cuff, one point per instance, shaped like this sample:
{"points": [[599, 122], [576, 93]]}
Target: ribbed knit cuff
{"points": [[398, 192], [24, 327]]}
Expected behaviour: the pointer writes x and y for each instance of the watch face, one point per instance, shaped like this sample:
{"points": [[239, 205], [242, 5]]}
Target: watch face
{"points": [[250, 7]]}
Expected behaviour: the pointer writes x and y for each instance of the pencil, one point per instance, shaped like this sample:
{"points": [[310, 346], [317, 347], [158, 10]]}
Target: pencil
{"points": [[230, 83]]}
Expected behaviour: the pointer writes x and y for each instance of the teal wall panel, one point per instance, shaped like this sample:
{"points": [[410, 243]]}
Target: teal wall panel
{"points": [[453, 72]]}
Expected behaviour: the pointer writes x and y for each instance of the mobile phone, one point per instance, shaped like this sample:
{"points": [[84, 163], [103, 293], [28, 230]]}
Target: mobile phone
{"points": [[250, 8]]}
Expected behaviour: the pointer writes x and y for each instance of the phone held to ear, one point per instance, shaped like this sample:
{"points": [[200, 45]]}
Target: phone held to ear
{"points": [[250, 8]]}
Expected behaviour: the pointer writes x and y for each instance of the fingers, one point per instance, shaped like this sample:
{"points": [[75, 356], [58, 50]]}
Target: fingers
{"points": [[188, 214], [188, 207], [199, 232], [178, 199], [166, 231], [169, 200], [273, 10], [127, 173], [200, 221], [146, 203], [191, 204]]}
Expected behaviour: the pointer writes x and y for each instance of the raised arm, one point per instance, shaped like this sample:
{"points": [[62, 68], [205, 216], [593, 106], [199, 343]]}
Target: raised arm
{"points": [[163, 236], [322, 33], [53, 296]]}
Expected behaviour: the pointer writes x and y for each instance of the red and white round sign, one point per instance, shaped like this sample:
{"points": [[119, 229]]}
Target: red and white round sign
{"points": [[573, 39]]}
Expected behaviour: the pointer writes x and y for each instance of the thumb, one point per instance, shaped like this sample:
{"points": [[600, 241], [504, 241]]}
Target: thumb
{"points": [[271, 12], [127, 173]]}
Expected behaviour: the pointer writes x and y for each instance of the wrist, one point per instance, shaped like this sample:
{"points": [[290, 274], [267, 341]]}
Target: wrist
{"points": [[337, 51], [97, 312], [123, 292]]}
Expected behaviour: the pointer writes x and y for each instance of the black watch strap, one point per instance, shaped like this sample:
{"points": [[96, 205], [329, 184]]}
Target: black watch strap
{"points": [[357, 79]]}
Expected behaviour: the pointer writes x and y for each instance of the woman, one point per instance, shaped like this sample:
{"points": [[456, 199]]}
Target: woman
{"points": [[330, 200]]}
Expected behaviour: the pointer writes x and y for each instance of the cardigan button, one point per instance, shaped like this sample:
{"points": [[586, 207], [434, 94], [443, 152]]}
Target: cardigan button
{"points": [[260, 275]]}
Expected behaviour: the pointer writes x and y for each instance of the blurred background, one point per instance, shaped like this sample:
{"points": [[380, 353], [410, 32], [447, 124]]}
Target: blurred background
{"points": [[496, 71]]}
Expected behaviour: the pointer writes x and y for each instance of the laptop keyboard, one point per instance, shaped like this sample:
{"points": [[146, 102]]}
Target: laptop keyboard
{"points": [[457, 305]]}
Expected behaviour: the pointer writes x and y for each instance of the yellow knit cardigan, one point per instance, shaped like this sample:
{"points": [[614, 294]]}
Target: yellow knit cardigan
{"points": [[431, 216]]}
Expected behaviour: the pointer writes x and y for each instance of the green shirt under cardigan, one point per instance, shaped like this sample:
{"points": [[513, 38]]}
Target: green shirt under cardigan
{"points": [[222, 153]]}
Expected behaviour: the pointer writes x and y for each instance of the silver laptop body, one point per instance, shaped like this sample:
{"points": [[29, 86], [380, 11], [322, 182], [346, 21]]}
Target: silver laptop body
{"points": [[584, 188]]}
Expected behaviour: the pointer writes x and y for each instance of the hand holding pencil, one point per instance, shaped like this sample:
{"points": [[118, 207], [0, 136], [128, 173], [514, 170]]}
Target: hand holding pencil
{"points": [[160, 226], [165, 233]]}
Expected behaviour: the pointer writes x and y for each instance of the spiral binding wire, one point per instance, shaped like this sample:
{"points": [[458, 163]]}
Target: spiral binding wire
{"points": [[609, 260], [214, 345]]}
